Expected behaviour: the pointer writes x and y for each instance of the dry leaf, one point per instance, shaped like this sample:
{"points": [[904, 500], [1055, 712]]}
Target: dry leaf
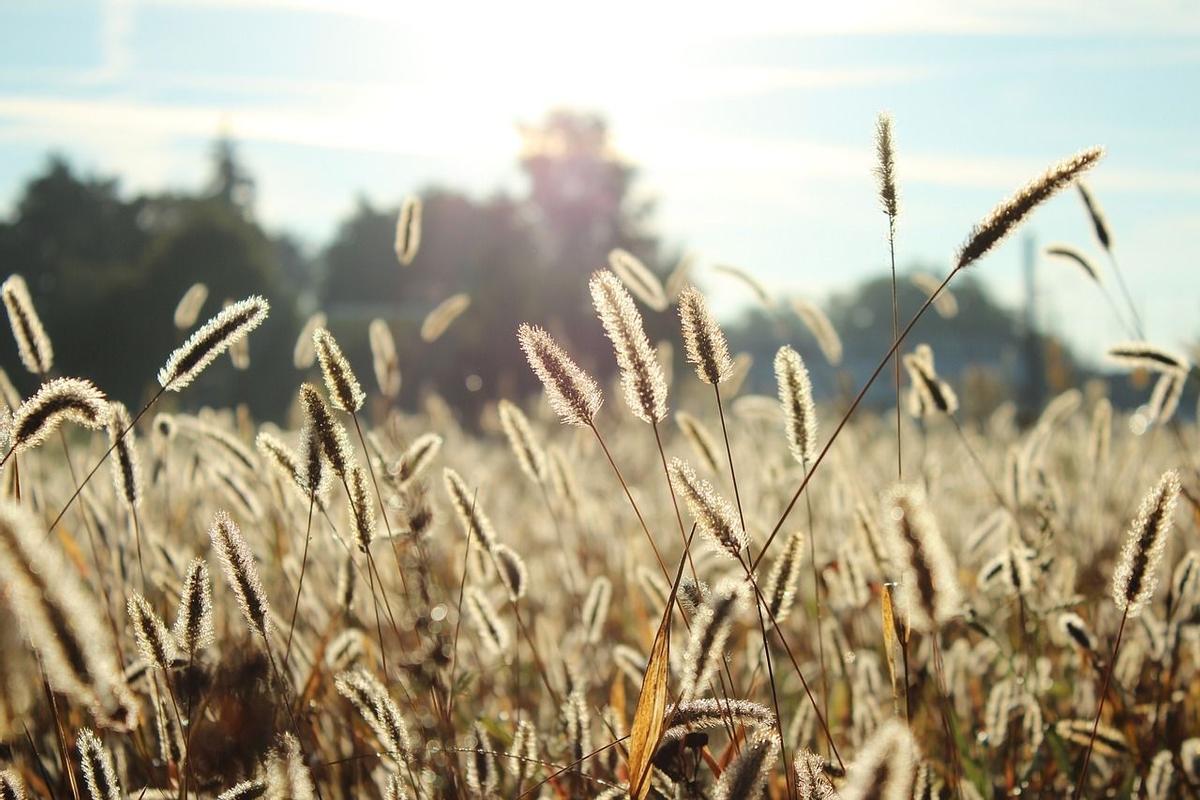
{"points": [[889, 638], [651, 713]]}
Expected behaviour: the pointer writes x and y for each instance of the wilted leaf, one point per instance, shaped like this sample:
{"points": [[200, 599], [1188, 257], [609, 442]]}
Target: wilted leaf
{"points": [[889, 637], [650, 717]]}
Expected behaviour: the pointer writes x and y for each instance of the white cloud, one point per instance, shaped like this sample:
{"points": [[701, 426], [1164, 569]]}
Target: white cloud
{"points": [[699, 21]]}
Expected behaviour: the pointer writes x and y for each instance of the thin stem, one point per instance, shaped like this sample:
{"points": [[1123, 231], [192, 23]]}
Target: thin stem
{"points": [[137, 539], [1112, 660], [1137, 320], [462, 585], [387, 523], [674, 500], [287, 652], [787, 764], [87, 524], [895, 355], [288, 705], [795, 664], [816, 576], [849, 413], [632, 502], [99, 463]]}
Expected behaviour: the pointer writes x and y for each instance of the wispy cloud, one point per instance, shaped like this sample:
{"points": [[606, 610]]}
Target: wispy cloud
{"points": [[768, 18]]}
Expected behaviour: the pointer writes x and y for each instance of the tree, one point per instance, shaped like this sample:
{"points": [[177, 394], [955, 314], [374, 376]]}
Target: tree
{"points": [[519, 258], [106, 273]]}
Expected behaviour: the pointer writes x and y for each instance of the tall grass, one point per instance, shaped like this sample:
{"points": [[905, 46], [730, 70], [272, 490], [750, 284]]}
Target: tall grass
{"points": [[534, 634]]}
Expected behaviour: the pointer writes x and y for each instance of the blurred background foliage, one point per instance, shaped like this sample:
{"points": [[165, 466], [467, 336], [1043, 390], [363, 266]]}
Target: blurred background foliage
{"points": [[107, 271]]}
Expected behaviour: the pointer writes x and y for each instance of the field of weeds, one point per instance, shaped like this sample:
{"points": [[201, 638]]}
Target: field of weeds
{"points": [[668, 588]]}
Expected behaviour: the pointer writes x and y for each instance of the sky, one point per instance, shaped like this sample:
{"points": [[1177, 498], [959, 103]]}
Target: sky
{"points": [[751, 122]]}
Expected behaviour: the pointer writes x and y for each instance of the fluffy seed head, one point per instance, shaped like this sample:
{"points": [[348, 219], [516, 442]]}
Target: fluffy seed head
{"points": [[1185, 582], [408, 230], [1136, 576], [821, 328], [1143, 355], [246, 790], [287, 774], [466, 506], [188, 310], [1005, 217], [638, 278], [930, 394], [1075, 256], [572, 393], [344, 390], [322, 429], [482, 773], [383, 358], [8, 393], [748, 771], [641, 373], [1161, 778], [1109, 741], [96, 764], [241, 572], [212, 339], [1164, 400], [362, 508], [714, 515], [524, 444], [711, 627], [706, 713], [33, 344], [58, 401], [487, 623], [595, 609], [1074, 628], [511, 569], [885, 765], [701, 440], [795, 398], [377, 708], [749, 281], [280, 457], [61, 619], [423, 450], [944, 301], [703, 338], [154, 640], [11, 785], [929, 592], [812, 782], [440, 318], [304, 353], [194, 619], [125, 467], [1096, 215], [885, 167], [780, 589]]}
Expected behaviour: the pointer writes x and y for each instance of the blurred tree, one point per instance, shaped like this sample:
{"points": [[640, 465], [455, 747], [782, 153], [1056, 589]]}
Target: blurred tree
{"points": [[582, 201], [484, 248], [519, 258], [77, 243], [231, 184], [212, 241], [106, 273], [982, 336]]}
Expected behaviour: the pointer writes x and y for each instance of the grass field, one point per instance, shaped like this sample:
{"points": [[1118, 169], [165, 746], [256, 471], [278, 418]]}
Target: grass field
{"points": [[669, 588]]}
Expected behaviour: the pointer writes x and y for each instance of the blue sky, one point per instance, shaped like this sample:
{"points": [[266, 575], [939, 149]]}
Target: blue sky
{"points": [[751, 122]]}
